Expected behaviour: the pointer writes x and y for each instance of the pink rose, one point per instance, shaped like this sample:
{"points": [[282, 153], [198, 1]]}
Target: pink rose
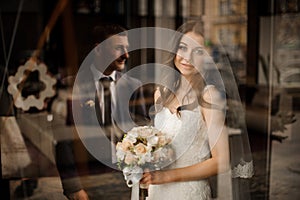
{"points": [[130, 159], [126, 145], [140, 149], [162, 141]]}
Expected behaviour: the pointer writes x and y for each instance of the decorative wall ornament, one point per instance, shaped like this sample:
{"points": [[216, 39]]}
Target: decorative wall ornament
{"points": [[20, 77]]}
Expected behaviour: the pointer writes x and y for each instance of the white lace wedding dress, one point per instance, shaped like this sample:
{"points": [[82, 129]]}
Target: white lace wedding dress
{"points": [[191, 146]]}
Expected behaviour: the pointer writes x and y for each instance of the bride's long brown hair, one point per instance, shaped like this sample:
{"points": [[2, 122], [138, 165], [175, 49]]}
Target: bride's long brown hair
{"points": [[174, 79]]}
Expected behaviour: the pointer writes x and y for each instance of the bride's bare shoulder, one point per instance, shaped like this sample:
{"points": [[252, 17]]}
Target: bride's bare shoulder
{"points": [[213, 95]]}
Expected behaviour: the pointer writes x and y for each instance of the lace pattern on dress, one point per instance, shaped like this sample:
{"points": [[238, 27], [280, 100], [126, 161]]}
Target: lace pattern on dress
{"points": [[243, 170], [190, 143]]}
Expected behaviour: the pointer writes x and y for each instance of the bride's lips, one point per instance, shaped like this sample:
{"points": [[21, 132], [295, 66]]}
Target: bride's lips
{"points": [[187, 66]]}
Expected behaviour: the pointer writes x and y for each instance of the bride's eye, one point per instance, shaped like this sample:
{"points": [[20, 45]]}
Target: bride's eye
{"points": [[198, 51], [182, 48]]}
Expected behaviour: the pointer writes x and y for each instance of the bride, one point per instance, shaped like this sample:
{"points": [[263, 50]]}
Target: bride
{"points": [[193, 111]]}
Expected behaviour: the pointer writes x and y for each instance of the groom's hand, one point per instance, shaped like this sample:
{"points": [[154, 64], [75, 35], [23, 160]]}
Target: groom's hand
{"points": [[80, 195]]}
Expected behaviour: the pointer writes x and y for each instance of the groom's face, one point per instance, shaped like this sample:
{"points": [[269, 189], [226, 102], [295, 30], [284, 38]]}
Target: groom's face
{"points": [[117, 49]]}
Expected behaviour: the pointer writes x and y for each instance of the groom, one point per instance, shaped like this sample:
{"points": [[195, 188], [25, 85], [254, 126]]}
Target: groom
{"points": [[97, 81]]}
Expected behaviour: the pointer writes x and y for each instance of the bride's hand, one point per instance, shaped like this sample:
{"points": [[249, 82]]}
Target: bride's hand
{"points": [[155, 177]]}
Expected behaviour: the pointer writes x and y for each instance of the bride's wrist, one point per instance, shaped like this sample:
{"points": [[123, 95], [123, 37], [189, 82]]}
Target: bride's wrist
{"points": [[170, 176], [176, 175]]}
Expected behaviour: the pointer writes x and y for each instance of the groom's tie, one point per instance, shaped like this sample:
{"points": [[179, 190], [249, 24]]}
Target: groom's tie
{"points": [[107, 121], [105, 81]]}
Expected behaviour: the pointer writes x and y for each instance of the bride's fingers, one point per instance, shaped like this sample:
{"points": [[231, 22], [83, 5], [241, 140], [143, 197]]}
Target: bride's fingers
{"points": [[145, 180], [147, 177], [146, 174]]}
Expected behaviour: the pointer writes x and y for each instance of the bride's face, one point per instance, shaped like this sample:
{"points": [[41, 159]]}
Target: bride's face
{"points": [[190, 54]]}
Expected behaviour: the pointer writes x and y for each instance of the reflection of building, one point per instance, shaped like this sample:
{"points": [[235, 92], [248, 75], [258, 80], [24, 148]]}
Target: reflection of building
{"points": [[287, 49], [281, 50], [225, 27], [225, 24], [225, 21]]}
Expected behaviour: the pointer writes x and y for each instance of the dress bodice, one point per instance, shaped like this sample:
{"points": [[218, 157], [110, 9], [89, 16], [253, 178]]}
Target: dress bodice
{"points": [[190, 143], [189, 135]]}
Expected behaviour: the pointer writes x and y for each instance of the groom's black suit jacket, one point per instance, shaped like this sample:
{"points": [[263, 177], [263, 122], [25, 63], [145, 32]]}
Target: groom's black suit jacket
{"points": [[125, 86], [72, 157]]}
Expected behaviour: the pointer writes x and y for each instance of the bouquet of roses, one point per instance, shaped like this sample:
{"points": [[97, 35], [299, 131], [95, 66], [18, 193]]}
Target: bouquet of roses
{"points": [[143, 147]]}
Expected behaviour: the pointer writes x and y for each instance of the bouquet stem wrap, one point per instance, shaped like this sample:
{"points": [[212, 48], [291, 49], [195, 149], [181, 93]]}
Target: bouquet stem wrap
{"points": [[143, 147], [133, 175]]}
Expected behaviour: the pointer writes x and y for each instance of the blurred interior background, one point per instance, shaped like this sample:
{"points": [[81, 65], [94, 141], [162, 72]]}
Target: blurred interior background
{"points": [[260, 40]]}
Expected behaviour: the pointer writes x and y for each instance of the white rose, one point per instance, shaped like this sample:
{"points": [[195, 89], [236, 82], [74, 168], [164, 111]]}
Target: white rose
{"points": [[133, 132], [130, 138], [146, 132], [120, 154], [145, 158], [152, 141], [157, 155]]}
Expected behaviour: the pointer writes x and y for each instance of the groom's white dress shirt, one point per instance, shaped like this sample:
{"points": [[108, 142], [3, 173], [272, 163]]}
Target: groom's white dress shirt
{"points": [[97, 75]]}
